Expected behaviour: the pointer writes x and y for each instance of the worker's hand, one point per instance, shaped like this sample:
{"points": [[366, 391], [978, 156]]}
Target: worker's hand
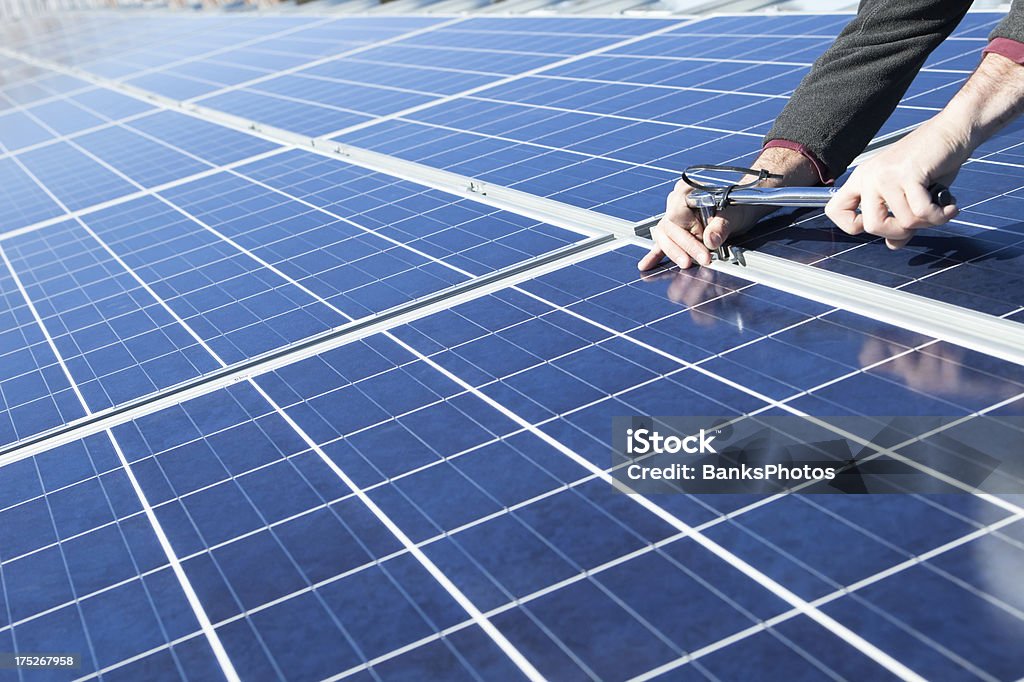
{"points": [[896, 182], [681, 237]]}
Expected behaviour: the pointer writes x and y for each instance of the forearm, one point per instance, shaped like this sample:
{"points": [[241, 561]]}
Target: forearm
{"points": [[855, 86], [991, 98]]}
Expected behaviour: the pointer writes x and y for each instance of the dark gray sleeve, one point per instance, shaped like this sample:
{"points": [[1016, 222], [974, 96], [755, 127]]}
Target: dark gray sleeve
{"points": [[855, 86], [1012, 26]]}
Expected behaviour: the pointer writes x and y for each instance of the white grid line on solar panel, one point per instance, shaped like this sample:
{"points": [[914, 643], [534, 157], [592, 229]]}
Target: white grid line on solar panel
{"points": [[32, 377], [83, 401], [157, 377], [992, 528], [76, 601], [784, 40], [852, 590], [89, 210], [22, 198], [537, 70], [759, 503], [510, 414], [722, 353], [435, 368], [795, 392], [396, 243], [39, 90], [165, 545], [64, 47], [571, 80], [198, 72], [169, 40], [32, 75], [104, 122], [450, 587], [174, 162], [408, 150], [208, 98], [392, 479], [309, 60], [414, 243], [230, 47], [828, 621], [101, 334], [92, 39], [452, 376]]}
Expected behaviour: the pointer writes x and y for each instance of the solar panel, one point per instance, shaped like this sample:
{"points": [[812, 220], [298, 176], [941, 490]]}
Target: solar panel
{"points": [[271, 412]]}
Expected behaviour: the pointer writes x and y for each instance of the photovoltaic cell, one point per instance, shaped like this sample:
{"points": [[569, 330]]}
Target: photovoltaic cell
{"points": [[65, 117], [76, 180], [24, 201], [210, 142], [109, 104], [146, 162], [17, 130]]}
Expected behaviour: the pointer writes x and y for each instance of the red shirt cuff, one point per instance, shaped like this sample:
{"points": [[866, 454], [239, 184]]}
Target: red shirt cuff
{"points": [[1006, 47], [821, 169]]}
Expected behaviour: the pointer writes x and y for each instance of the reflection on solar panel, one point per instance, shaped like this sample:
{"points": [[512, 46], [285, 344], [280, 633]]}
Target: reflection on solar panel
{"points": [[315, 329]]}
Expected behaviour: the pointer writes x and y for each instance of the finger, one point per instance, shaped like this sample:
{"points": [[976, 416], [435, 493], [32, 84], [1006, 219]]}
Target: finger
{"points": [[716, 233], [897, 203], [677, 211], [682, 238], [899, 228], [873, 212], [651, 260], [920, 202], [896, 244], [668, 245], [842, 210]]}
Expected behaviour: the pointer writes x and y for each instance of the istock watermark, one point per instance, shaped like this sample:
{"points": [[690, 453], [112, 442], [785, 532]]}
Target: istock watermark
{"points": [[835, 455]]}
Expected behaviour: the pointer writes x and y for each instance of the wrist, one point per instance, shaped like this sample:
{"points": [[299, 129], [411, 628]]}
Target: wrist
{"points": [[793, 162]]}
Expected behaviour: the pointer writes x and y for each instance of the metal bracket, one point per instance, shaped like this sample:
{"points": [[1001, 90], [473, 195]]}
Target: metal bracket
{"points": [[729, 254]]}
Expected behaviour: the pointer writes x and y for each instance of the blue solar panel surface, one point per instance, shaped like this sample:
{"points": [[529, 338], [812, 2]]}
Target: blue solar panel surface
{"points": [[431, 497]]}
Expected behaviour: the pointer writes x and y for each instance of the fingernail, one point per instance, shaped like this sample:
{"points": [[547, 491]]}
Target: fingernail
{"points": [[714, 240]]}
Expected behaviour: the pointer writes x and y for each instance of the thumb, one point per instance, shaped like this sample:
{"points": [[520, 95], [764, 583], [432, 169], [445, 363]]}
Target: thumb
{"points": [[716, 232]]}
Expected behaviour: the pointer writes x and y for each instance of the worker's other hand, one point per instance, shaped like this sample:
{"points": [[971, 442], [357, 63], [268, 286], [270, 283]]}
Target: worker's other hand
{"points": [[891, 189], [680, 236]]}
